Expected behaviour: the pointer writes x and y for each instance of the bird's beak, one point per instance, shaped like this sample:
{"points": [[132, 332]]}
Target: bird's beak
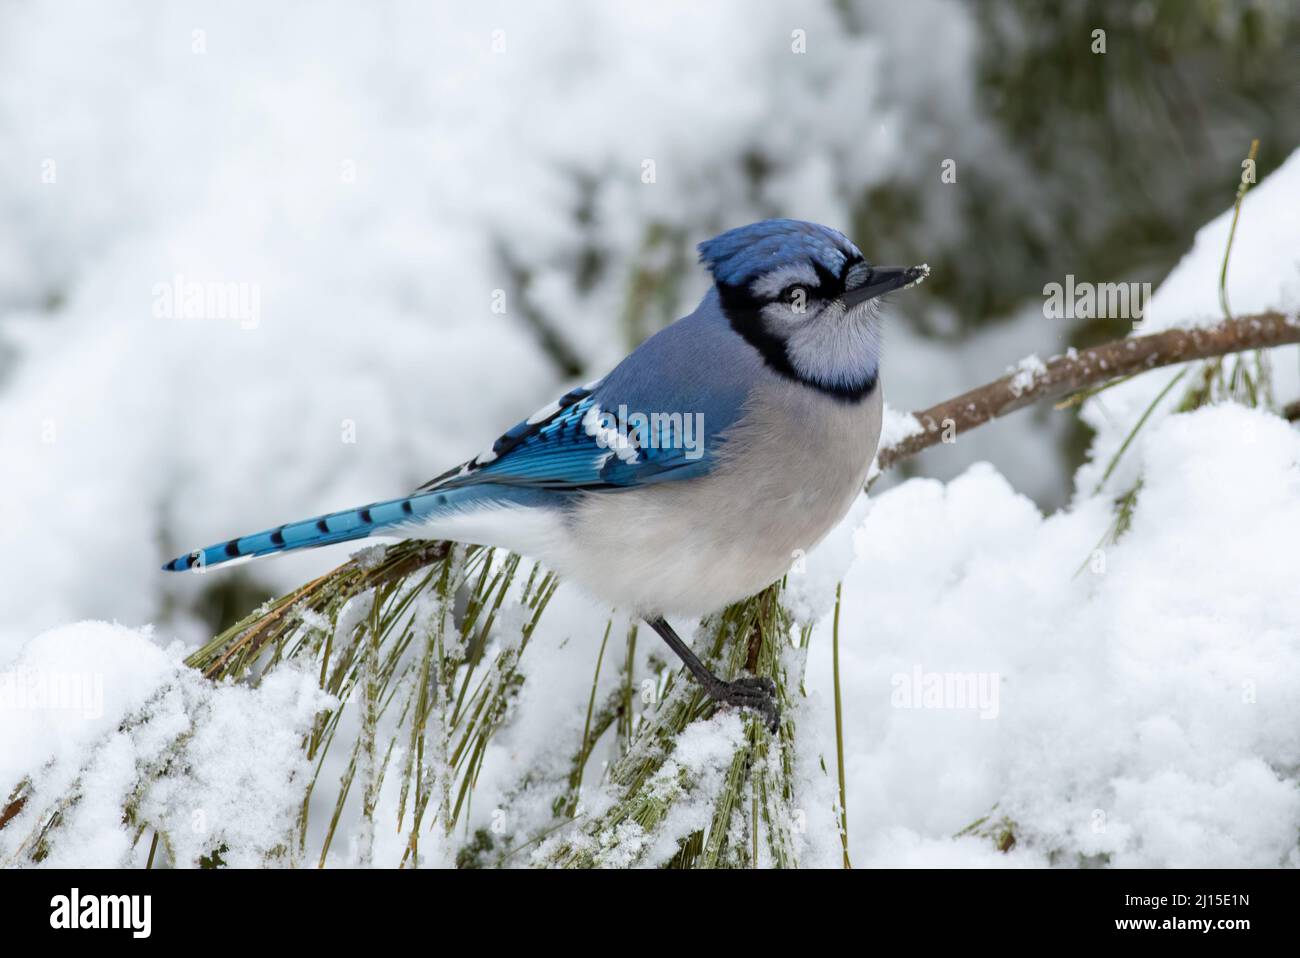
{"points": [[878, 280]]}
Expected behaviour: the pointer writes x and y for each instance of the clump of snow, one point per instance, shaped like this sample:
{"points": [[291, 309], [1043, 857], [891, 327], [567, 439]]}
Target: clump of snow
{"points": [[370, 557], [1024, 373], [1146, 691], [311, 619], [214, 768], [897, 425], [691, 780]]}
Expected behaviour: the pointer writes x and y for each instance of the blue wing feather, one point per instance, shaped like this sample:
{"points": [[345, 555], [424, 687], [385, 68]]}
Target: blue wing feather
{"points": [[574, 448], [687, 384]]}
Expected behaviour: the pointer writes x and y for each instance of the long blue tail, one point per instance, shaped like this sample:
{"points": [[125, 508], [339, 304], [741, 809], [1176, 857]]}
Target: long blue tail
{"points": [[328, 529]]}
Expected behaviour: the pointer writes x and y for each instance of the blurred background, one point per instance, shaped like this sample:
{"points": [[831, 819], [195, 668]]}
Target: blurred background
{"points": [[442, 215]]}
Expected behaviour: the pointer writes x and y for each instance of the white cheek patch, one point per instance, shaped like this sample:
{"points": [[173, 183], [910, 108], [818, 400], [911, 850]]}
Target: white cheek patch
{"points": [[781, 318], [769, 284], [841, 349]]}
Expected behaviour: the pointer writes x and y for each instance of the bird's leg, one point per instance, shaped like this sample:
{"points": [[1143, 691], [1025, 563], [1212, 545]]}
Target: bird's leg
{"points": [[756, 693]]}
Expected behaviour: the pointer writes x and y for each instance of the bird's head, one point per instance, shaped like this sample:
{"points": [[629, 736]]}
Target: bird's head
{"points": [[807, 299]]}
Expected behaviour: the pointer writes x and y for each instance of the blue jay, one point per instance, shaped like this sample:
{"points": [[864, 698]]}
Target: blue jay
{"points": [[694, 473]]}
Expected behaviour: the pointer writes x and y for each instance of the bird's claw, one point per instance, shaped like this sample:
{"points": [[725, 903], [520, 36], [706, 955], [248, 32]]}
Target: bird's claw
{"points": [[757, 693]]}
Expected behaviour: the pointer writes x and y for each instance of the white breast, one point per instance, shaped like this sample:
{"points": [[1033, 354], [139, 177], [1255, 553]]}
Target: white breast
{"points": [[787, 473]]}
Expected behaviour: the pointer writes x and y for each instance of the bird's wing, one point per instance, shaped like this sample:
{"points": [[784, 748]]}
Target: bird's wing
{"points": [[669, 404], [579, 442]]}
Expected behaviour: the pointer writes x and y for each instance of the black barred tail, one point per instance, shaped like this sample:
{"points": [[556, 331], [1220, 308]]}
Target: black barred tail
{"points": [[323, 530]]}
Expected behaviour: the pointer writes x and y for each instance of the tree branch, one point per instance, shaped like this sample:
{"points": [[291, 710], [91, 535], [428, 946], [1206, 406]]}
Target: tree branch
{"points": [[1080, 369]]}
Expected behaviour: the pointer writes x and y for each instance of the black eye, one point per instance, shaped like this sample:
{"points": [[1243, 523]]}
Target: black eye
{"points": [[796, 294]]}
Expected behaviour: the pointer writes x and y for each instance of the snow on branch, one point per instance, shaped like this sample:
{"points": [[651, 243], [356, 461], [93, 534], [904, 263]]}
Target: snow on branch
{"points": [[1084, 368]]}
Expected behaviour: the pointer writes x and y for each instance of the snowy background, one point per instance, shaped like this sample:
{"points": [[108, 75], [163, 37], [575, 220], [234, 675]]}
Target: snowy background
{"points": [[381, 180]]}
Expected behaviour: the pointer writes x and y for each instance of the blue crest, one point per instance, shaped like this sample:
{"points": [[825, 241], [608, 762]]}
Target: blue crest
{"points": [[741, 255]]}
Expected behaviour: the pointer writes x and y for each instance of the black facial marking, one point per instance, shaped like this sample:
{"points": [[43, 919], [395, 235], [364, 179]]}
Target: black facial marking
{"points": [[365, 516], [742, 310], [277, 537], [232, 547], [406, 506], [829, 285], [322, 525]]}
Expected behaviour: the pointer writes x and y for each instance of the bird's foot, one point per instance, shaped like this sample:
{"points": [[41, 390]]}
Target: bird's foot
{"points": [[755, 693]]}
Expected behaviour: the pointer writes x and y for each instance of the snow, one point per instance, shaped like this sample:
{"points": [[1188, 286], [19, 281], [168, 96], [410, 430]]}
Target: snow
{"points": [[229, 764], [1025, 372], [897, 426], [692, 780], [1170, 665], [1146, 688]]}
